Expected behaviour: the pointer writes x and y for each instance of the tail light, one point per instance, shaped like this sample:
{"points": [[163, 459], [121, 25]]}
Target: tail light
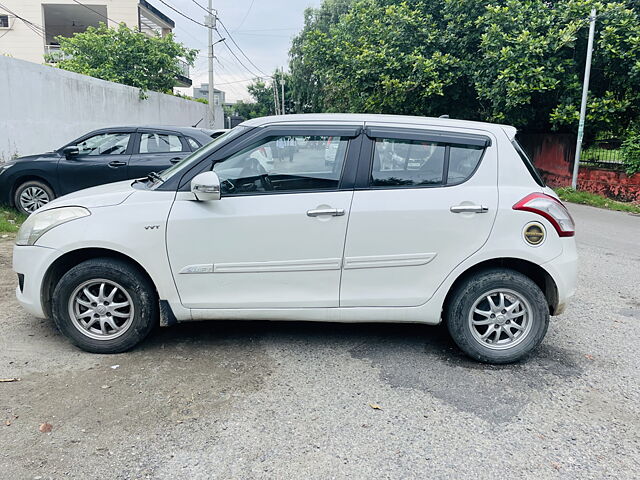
{"points": [[551, 209]]}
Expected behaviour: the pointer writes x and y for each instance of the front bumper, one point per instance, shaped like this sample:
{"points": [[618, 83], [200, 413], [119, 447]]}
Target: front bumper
{"points": [[32, 262]]}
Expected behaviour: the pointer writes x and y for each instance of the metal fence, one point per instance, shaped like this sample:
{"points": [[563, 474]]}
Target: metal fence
{"points": [[603, 153]]}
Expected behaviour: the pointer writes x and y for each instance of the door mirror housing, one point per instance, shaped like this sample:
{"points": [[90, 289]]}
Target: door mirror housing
{"points": [[206, 186], [71, 151]]}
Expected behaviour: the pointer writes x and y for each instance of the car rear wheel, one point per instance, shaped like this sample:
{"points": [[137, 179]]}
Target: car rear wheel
{"points": [[498, 316], [105, 306], [31, 195]]}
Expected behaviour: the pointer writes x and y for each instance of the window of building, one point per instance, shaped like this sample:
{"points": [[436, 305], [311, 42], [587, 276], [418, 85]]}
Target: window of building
{"points": [[4, 21]]}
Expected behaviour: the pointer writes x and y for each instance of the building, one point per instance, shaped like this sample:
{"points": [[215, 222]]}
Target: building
{"points": [[203, 92], [28, 28]]}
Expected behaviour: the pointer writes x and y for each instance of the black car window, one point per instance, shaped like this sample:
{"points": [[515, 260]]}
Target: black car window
{"points": [[407, 163], [284, 164], [159, 143], [463, 160], [193, 143], [105, 144]]}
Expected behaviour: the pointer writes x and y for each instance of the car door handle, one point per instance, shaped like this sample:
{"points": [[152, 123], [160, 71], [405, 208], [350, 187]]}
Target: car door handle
{"points": [[175, 159], [117, 163], [469, 209], [334, 212]]}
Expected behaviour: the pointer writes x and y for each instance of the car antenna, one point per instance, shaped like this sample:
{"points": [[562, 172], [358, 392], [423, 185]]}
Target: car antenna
{"points": [[198, 122], [443, 116]]}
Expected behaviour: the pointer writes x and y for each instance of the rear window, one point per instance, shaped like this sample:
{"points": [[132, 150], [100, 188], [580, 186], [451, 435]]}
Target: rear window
{"points": [[528, 163]]}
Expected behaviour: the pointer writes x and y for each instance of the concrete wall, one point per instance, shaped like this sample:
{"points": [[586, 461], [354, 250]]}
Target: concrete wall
{"points": [[42, 108]]}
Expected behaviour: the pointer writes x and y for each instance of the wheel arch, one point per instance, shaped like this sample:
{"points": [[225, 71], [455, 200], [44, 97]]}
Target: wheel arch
{"points": [[70, 259], [25, 177], [535, 272]]}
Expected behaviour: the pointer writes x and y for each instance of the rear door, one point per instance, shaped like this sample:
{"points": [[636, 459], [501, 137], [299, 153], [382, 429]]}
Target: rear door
{"points": [[156, 150], [102, 158], [425, 200]]}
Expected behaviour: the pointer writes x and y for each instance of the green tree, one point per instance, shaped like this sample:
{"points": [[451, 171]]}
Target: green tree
{"points": [[262, 94], [125, 56], [512, 61]]}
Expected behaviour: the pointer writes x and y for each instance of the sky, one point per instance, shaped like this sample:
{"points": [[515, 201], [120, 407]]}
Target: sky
{"points": [[262, 28]]}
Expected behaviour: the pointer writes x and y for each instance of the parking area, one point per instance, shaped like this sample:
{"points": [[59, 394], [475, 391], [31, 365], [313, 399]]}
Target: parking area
{"points": [[304, 400]]}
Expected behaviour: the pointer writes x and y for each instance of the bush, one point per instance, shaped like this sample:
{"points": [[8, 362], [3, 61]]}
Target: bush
{"points": [[631, 150]]}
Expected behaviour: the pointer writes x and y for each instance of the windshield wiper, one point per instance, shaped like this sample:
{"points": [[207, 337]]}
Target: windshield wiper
{"points": [[155, 177]]}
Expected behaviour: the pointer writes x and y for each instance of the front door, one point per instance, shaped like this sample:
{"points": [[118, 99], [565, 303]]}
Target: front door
{"points": [[276, 237], [424, 202], [102, 158]]}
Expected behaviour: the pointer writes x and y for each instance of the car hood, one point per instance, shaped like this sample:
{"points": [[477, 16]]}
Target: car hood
{"points": [[101, 196], [40, 156]]}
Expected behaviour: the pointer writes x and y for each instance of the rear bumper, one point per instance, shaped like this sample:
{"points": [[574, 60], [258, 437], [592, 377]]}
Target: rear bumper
{"points": [[564, 271], [32, 263]]}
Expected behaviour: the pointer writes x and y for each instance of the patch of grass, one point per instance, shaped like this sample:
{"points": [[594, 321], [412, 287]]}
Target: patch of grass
{"points": [[568, 194], [10, 220]]}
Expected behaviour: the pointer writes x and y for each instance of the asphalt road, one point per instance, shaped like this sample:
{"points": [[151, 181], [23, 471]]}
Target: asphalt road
{"points": [[293, 400]]}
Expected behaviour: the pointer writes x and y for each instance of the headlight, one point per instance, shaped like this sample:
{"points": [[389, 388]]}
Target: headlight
{"points": [[39, 223]]}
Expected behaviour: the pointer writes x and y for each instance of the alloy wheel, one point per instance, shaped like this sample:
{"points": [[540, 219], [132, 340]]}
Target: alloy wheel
{"points": [[101, 309], [500, 319]]}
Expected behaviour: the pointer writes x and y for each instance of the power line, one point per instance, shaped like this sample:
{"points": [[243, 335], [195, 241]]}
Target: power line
{"points": [[245, 15], [29, 24], [203, 8], [180, 13], [240, 49]]}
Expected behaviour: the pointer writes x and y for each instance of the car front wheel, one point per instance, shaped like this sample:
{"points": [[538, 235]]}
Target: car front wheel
{"points": [[31, 195], [105, 305], [498, 316]]}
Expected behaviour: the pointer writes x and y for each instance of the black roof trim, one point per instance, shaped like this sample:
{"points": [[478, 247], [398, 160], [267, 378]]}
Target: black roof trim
{"points": [[157, 12]]}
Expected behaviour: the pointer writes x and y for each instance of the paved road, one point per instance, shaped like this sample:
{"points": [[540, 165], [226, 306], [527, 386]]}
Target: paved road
{"points": [[292, 400]]}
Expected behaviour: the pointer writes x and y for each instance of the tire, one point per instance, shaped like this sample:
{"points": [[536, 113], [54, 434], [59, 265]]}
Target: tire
{"points": [[102, 310], [470, 316], [31, 195]]}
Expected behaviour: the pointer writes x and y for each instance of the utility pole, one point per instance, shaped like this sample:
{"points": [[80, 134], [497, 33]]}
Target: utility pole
{"points": [[282, 85], [210, 22], [274, 83], [585, 93]]}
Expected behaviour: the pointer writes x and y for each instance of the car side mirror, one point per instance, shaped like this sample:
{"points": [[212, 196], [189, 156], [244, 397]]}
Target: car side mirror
{"points": [[71, 151], [206, 186]]}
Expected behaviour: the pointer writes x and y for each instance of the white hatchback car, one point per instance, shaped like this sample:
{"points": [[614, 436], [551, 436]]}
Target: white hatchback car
{"points": [[418, 220]]}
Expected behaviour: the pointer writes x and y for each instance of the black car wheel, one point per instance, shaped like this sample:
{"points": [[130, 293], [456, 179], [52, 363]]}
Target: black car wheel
{"points": [[105, 305], [498, 316], [31, 195]]}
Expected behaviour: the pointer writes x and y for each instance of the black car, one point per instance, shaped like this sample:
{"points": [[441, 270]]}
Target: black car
{"points": [[101, 156]]}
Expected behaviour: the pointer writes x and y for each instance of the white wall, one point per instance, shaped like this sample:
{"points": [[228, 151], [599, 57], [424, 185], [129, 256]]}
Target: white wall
{"points": [[42, 108], [22, 42]]}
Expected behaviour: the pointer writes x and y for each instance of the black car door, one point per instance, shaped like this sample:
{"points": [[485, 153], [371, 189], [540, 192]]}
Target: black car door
{"points": [[102, 158], [156, 150]]}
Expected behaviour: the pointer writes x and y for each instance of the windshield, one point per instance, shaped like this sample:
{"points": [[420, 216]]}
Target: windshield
{"points": [[202, 152]]}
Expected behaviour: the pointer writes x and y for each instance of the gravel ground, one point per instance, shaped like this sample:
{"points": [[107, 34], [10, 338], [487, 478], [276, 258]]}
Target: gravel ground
{"points": [[293, 400]]}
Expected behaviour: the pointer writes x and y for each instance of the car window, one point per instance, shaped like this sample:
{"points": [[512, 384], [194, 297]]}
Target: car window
{"points": [[407, 163], [159, 143], [463, 160], [193, 144], [105, 144], [284, 163]]}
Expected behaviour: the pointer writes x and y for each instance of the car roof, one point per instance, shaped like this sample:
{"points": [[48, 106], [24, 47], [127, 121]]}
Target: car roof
{"points": [[193, 131], [364, 119]]}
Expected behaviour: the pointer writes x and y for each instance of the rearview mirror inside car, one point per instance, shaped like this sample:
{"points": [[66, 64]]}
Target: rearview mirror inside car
{"points": [[206, 186]]}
